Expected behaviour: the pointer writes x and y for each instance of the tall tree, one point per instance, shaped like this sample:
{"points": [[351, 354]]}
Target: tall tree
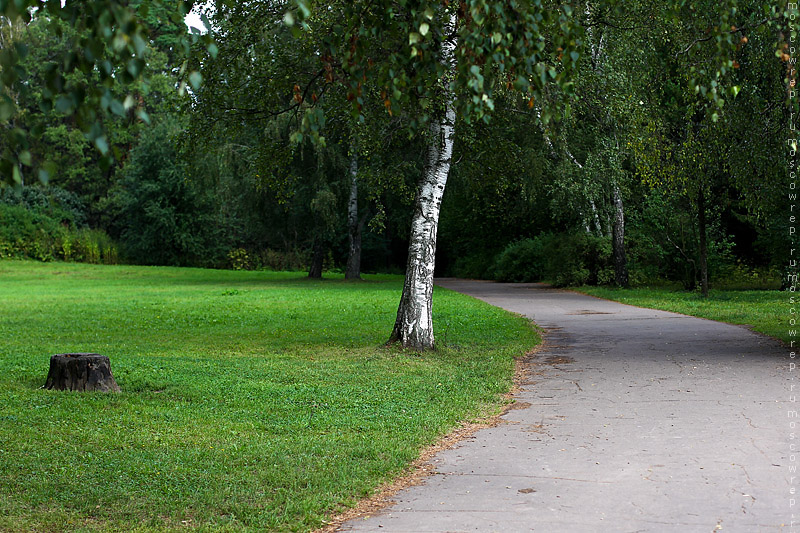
{"points": [[423, 55]]}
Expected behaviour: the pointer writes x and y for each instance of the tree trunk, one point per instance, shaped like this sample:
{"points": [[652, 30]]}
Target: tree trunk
{"points": [[317, 257], [701, 219], [80, 372], [618, 242], [414, 325], [353, 270], [597, 226]]}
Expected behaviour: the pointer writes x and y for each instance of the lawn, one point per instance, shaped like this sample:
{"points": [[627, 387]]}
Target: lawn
{"points": [[766, 311], [251, 401]]}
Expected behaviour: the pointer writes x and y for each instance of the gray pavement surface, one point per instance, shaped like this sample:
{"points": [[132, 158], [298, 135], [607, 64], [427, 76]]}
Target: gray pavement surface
{"points": [[633, 420]]}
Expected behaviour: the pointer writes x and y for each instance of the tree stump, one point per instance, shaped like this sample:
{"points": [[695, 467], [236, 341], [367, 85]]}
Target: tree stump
{"points": [[80, 372]]}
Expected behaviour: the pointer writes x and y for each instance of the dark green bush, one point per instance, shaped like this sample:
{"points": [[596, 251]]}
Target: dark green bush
{"points": [[165, 216], [30, 234], [521, 261], [563, 259], [54, 202]]}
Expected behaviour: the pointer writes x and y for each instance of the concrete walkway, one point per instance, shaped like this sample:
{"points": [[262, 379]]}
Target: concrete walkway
{"points": [[632, 420]]}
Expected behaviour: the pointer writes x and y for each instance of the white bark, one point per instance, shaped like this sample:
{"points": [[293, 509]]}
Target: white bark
{"points": [[597, 226], [353, 270], [595, 215], [414, 325], [618, 242]]}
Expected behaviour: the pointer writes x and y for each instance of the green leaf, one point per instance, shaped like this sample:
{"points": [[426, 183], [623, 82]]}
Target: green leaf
{"points": [[414, 38], [213, 50], [64, 105], [25, 158], [102, 144], [22, 49], [195, 79], [16, 175], [423, 29], [117, 108], [7, 109]]}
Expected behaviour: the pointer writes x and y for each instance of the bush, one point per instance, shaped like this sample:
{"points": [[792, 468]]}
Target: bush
{"points": [[54, 202], [281, 261], [563, 259], [521, 261], [165, 216], [474, 266], [28, 234]]}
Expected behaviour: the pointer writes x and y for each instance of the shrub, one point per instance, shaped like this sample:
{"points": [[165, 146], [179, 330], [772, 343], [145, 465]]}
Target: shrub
{"points": [[521, 261], [239, 259], [165, 216], [28, 234], [562, 258], [281, 261], [54, 202]]}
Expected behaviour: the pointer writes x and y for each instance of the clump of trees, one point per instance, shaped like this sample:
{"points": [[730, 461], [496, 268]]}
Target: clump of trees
{"points": [[594, 142]]}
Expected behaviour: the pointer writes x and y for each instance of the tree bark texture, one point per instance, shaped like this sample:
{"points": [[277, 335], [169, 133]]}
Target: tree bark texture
{"points": [[317, 257], [414, 325], [618, 241], [81, 372], [701, 221], [353, 270], [596, 216]]}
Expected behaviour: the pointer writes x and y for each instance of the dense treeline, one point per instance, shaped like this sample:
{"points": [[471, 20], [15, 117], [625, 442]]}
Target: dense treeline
{"points": [[266, 165]]}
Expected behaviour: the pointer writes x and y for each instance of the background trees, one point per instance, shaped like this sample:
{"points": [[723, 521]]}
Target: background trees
{"points": [[589, 143]]}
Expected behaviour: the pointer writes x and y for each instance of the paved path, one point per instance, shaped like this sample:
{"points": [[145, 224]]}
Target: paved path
{"points": [[639, 420]]}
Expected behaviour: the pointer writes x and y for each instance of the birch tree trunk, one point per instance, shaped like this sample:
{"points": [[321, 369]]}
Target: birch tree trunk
{"points": [[353, 270], [597, 226], [414, 325], [701, 219], [618, 242]]}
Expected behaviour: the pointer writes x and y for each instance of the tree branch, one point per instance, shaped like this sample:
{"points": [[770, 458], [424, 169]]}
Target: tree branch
{"points": [[736, 30]]}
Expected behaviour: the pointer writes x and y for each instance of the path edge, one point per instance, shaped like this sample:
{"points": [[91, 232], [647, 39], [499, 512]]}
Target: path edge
{"points": [[422, 467]]}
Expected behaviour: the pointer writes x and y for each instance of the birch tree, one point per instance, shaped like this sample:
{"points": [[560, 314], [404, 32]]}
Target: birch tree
{"points": [[442, 63]]}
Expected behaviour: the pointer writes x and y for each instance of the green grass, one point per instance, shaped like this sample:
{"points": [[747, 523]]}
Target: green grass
{"points": [[765, 311], [251, 401]]}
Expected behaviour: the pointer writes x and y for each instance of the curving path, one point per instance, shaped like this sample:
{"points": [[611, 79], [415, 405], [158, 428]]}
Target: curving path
{"points": [[631, 420]]}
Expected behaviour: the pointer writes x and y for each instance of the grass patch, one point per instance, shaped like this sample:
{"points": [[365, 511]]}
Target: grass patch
{"points": [[251, 401], [765, 311]]}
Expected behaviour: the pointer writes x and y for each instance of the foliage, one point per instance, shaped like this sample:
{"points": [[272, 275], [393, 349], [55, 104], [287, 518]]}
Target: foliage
{"points": [[278, 408], [108, 53], [663, 241], [166, 217], [44, 236], [55, 202], [564, 259]]}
